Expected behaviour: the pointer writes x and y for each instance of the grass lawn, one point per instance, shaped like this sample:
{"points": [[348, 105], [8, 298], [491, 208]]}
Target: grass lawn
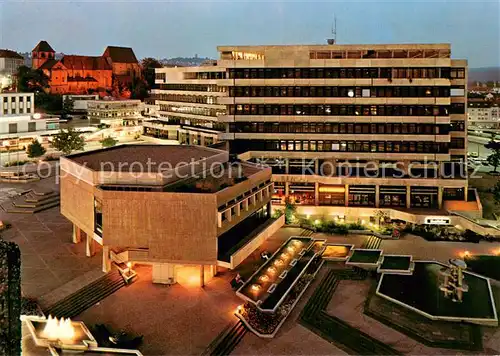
{"points": [[421, 291], [365, 256], [396, 263], [483, 185], [486, 265]]}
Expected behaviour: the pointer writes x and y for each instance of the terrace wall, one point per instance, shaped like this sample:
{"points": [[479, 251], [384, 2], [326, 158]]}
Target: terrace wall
{"points": [[175, 227]]}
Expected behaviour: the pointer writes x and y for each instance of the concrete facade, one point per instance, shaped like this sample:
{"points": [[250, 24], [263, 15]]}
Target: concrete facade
{"points": [[336, 122], [162, 217]]}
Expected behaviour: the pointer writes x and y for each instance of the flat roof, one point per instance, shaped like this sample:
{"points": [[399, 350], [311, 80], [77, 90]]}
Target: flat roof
{"points": [[388, 46], [135, 158]]}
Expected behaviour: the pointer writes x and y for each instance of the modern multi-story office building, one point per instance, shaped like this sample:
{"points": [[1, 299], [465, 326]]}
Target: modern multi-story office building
{"points": [[167, 206], [187, 107], [343, 126]]}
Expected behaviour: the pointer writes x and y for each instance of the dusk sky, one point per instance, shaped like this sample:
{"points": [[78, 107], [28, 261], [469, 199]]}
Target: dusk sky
{"points": [[185, 28]]}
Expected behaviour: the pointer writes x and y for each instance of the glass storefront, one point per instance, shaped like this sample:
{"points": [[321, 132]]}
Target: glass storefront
{"points": [[393, 196], [453, 194], [362, 195], [424, 197], [332, 195], [279, 193], [301, 193]]}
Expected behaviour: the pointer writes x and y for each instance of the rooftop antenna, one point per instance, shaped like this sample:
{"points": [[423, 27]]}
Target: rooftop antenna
{"points": [[333, 40]]}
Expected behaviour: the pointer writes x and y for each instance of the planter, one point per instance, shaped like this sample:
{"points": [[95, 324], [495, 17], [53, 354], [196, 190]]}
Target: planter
{"points": [[284, 317]]}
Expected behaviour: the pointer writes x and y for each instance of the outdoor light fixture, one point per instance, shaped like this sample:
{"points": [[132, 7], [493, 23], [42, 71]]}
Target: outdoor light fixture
{"points": [[37, 116], [350, 93]]}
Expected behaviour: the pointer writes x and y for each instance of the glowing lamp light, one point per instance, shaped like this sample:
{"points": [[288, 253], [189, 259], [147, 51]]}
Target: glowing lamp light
{"points": [[350, 93], [279, 262], [37, 116], [363, 222], [59, 329], [129, 264], [264, 278], [308, 216], [239, 309], [271, 270], [316, 222], [256, 287]]}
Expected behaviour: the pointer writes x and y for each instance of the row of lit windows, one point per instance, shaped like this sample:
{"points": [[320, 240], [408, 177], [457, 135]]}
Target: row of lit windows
{"points": [[192, 110], [341, 128], [192, 87], [345, 73], [348, 110], [348, 92], [199, 99], [341, 146]]}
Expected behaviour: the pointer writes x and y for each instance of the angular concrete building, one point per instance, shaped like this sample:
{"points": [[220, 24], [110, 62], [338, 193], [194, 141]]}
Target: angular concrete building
{"points": [[168, 206]]}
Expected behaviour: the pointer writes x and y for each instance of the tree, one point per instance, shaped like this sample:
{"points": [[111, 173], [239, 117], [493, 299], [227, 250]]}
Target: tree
{"points": [[67, 105], [31, 80], [494, 158], [289, 212], [67, 141], [139, 89], [381, 216], [496, 193], [148, 66], [108, 142], [35, 149]]}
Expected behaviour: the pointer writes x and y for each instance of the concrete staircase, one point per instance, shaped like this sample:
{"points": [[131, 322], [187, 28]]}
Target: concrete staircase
{"points": [[227, 340], [32, 202], [88, 296], [372, 242]]}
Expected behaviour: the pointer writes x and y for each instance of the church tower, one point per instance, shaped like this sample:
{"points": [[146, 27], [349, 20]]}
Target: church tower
{"points": [[41, 54]]}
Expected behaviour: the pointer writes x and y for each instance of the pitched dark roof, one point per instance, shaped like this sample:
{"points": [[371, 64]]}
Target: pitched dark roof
{"points": [[7, 53], [85, 62], [48, 64], [43, 46], [120, 54]]}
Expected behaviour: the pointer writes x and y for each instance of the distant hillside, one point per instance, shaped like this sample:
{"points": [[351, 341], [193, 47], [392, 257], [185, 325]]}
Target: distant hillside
{"points": [[487, 74], [184, 61]]}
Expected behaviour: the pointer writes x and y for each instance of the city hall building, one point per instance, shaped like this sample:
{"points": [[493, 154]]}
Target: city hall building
{"points": [[343, 127], [167, 206]]}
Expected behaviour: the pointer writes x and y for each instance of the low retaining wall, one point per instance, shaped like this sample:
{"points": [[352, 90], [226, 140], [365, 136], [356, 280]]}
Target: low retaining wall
{"points": [[240, 255]]}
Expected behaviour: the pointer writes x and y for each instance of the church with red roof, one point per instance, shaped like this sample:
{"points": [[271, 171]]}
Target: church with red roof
{"points": [[74, 74]]}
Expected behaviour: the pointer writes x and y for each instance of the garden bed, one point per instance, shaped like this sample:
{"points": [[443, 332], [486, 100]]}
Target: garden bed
{"points": [[266, 325], [444, 233]]}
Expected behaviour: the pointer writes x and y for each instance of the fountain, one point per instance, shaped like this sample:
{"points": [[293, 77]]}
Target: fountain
{"points": [[453, 285]]}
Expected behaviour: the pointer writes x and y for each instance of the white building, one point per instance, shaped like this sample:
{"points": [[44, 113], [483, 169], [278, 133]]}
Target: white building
{"points": [[483, 114], [80, 102], [17, 103], [10, 61], [19, 125], [116, 112]]}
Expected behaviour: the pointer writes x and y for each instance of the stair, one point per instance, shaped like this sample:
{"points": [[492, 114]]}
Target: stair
{"points": [[32, 202], [306, 233], [86, 297], [333, 329], [227, 340], [372, 242], [322, 295]]}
